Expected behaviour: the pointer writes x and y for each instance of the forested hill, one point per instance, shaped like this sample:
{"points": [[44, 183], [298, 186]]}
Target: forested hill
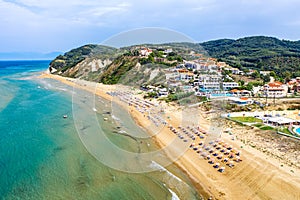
{"points": [[258, 52]]}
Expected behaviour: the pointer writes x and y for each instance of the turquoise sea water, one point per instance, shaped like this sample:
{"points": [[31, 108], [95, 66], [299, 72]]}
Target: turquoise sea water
{"points": [[42, 157]]}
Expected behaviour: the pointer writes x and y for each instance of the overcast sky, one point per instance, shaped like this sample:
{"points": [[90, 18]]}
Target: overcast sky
{"points": [[60, 25]]}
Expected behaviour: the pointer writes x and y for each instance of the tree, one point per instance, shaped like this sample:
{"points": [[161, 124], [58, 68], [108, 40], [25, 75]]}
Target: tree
{"points": [[266, 78], [273, 74], [249, 86], [242, 82], [287, 76], [255, 74]]}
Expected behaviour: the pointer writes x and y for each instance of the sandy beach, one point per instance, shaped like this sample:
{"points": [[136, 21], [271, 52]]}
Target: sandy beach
{"points": [[258, 176]]}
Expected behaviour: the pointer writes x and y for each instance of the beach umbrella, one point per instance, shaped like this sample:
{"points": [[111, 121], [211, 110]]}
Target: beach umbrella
{"points": [[222, 169], [200, 150], [217, 165], [204, 154]]}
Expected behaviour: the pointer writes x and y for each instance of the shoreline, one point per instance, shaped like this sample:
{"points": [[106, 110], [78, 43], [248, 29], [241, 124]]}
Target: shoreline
{"points": [[256, 177]]}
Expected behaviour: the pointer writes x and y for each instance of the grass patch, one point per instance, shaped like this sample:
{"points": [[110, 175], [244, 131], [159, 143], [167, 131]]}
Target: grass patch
{"points": [[247, 119], [285, 130], [258, 125], [266, 128]]}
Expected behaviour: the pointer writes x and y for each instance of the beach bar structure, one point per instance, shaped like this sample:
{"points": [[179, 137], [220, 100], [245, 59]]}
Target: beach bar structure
{"points": [[280, 121]]}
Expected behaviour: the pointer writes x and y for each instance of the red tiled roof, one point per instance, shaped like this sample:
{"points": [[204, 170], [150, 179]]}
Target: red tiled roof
{"points": [[275, 84]]}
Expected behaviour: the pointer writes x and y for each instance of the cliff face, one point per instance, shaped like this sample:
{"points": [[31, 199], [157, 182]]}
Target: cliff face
{"points": [[127, 65], [71, 63]]}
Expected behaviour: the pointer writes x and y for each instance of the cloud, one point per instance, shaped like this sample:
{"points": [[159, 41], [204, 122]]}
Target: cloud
{"points": [[69, 23]]}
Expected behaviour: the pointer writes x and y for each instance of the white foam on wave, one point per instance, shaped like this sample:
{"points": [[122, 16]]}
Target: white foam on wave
{"points": [[122, 131], [115, 118], [155, 165], [49, 86], [100, 100], [174, 195]]}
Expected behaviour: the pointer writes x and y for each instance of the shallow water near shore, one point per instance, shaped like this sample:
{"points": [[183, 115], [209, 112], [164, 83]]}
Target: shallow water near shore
{"points": [[42, 157]]}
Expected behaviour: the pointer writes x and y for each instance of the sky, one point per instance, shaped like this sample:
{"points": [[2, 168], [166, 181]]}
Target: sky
{"points": [[60, 25]]}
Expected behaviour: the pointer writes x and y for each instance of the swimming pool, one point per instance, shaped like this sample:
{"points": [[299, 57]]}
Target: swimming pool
{"points": [[298, 130], [221, 95]]}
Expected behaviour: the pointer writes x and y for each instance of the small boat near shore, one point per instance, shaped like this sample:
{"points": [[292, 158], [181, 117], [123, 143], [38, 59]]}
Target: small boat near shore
{"points": [[65, 116]]}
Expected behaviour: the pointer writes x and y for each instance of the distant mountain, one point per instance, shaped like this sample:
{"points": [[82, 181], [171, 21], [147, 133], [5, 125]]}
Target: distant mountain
{"points": [[28, 55], [258, 52]]}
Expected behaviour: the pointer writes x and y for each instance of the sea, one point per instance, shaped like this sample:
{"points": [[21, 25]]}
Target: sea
{"points": [[42, 155]]}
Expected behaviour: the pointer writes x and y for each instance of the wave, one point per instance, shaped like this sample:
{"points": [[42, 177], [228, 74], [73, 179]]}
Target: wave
{"points": [[122, 131], [48, 86], [174, 195], [155, 165], [115, 118]]}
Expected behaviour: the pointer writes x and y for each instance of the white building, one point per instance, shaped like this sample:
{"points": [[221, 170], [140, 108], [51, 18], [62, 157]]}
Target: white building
{"points": [[209, 86], [264, 73], [163, 92], [229, 85], [207, 82], [275, 89]]}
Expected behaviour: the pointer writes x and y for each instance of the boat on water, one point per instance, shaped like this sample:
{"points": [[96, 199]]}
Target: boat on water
{"points": [[65, 116]]}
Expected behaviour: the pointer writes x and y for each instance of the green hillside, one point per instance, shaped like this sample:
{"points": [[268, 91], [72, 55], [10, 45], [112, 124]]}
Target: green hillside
{"points": [[258, 52], [75, 56], [111, 65]]}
